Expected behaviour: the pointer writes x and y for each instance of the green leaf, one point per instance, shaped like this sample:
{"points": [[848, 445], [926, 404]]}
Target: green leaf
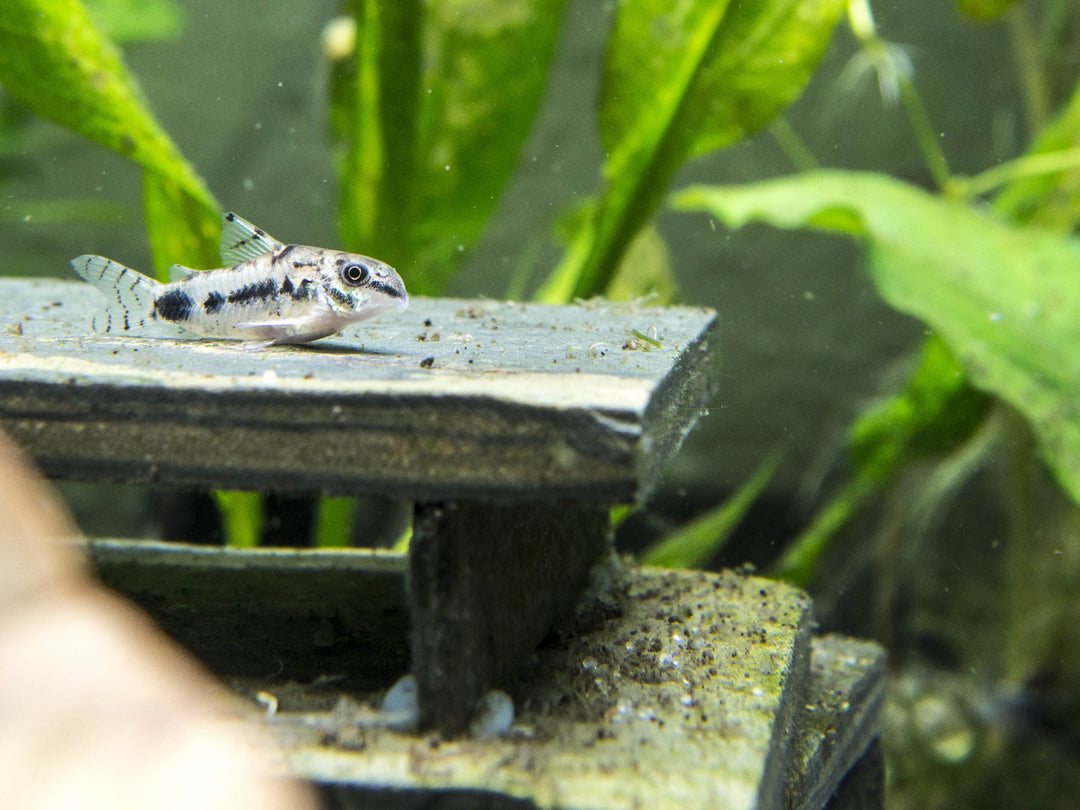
{"points": [[936, 412], [430, 118], [334, 522], [937, 409], [137, 20], [1051, 199], [55, 61], [1003, 298], [692, 545], [682, 79], [645, 272], [241, 517]]}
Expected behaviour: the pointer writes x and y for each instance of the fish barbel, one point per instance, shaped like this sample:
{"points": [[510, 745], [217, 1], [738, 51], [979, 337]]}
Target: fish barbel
{"points": [[274, 293]]}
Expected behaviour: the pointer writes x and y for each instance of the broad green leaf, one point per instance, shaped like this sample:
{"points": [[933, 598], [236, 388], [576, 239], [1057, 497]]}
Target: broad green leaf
{"points": [[54, 60], [682, 79], [692, 545], [1003, 298], [430, 117]]}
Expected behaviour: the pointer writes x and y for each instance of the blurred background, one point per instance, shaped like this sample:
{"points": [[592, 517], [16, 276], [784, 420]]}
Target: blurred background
{"points": [[964, 559]]}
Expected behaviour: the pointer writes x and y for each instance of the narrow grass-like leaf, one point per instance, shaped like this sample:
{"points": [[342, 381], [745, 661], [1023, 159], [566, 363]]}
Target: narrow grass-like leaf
{"points": [[680, 80], [430, 117], [936, 411], [692, 545], [1003, 298], [334, 522], [241, 517]]}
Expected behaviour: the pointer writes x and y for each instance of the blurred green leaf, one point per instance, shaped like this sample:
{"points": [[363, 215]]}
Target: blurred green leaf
{"points": [[645, 272], [137, 20], [937, 409], [1051, 199], [984, 10], [430, 118], [56, 62], [334, 522], [680, 80], [241, 517], [692, 545], [1003, 298]]}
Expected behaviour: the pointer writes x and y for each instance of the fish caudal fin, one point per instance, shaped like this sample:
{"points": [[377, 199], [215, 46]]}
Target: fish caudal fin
{"points": [[129, 295]]}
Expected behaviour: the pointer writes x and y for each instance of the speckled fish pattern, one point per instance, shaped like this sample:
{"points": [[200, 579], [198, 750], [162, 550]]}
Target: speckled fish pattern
{"points": [[273, 293]]}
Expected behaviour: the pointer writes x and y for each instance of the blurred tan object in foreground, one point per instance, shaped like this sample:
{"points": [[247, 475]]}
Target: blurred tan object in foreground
{"points": [[97, 709]]}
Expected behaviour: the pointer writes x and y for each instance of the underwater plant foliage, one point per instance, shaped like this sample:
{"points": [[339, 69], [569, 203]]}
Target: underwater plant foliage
{"points": [[1002, 297], [429, 111], [681, 80], [55, 59]]}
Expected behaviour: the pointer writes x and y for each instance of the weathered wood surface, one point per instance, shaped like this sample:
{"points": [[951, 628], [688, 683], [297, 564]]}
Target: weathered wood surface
{"points": [[840, 721], [451, 399], [281, 613], [723, 644], [486, 582], [686, 698]]}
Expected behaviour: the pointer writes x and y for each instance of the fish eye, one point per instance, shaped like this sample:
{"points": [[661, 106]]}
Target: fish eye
{"points": [[354, 274]]}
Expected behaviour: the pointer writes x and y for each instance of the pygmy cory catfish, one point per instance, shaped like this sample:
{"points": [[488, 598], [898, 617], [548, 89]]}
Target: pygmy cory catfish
{"points": [[274, 293]]}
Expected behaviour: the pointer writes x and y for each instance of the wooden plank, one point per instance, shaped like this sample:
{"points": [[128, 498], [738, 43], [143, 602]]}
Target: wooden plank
{"points": [[269, 613], [839, 723], [486, 583], [451, 399], [686, 698]]}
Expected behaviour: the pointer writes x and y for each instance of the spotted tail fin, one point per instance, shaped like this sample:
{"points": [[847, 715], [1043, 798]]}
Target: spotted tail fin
{"points": [[129, 295]]}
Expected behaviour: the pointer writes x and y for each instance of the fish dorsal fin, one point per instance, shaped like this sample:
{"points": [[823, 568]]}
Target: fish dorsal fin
{"points": [[242, 241], [178, 272]]}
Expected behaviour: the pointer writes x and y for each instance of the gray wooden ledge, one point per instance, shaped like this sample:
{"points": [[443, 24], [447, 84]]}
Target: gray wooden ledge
{"points": [[512, 426], [698, 694], [449, 400]]}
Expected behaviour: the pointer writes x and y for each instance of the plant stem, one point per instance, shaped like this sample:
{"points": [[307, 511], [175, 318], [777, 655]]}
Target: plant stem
{"points": [[925, 137], [1025, 166], [1032, 76], [792, 145]]}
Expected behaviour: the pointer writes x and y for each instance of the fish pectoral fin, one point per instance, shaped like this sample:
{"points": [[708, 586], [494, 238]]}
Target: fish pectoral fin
{"points": [[279, 323], [242, 241], [288, 330], [178, 272]]}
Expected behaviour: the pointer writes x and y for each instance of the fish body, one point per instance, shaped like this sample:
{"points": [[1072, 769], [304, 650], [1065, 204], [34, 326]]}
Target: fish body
{"points": [[274, 293]]}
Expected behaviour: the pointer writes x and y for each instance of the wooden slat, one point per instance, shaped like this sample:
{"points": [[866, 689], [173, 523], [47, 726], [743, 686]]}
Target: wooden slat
{"points": [[451, 399]]}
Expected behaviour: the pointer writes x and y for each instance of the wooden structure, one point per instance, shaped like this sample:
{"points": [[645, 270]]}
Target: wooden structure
{"points": [[514, 428]]}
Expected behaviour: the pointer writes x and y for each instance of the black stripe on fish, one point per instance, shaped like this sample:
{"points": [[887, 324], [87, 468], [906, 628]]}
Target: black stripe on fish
{"points": [[385, 289], [342, 298], [258, 291], [303, 290], [214, 301], [281, 254], [286, 286], [175, 305]]}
